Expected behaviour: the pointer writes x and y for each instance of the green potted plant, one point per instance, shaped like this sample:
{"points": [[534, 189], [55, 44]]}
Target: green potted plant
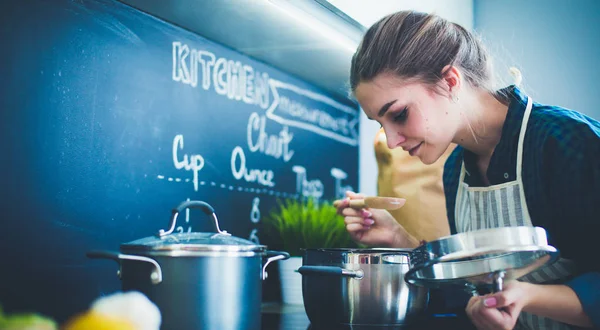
{"points": [[302, 224]]}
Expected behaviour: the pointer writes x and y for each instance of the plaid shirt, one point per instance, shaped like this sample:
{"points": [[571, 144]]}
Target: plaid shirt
{"points": [[561, 180]]}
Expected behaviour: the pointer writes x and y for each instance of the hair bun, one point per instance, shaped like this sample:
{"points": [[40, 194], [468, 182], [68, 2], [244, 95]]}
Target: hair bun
{"points": [[516, 73]]}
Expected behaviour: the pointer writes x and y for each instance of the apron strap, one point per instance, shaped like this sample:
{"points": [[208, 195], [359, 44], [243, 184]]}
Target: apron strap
{"points": [[522, 138], [459, 196]]}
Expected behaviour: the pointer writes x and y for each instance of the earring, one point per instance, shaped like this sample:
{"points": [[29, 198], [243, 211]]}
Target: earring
{"points": [[455, 98]]}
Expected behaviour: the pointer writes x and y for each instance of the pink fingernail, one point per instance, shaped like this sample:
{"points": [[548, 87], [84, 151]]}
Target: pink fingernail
{"points": [[366, 214], [369, 221], [489, 302], [366, 227]]}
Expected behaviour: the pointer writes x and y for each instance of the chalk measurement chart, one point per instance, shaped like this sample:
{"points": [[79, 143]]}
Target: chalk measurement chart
{"points": [[279, 106]]}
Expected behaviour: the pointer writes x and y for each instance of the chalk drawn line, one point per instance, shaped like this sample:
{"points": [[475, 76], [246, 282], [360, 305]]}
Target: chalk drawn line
{"points": [[229, 187]]}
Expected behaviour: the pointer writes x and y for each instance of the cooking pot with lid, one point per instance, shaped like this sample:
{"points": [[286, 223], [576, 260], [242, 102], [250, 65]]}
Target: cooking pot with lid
{"points": [[197, 280]]}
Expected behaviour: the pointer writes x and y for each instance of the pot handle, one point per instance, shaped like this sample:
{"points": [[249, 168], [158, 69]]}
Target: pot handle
{"points": [[331, 270], [155, 276], [205, 207], [273, 256]]}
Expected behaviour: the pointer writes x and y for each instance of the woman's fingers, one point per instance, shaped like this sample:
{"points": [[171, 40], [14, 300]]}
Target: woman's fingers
{"points": [[484, 316], [353, 195], [341, 205], [352, 220], [356, 227], [349, 220], [350, 212], [511, 294], [362, 217], [357, 220], [471, 305], [473, 312]]}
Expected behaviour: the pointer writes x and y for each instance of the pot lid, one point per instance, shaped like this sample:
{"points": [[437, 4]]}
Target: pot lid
{"points": [[482, 258], [219, 241]]}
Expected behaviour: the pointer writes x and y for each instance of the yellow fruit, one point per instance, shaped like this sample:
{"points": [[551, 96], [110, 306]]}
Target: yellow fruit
{"points": [[97, 321]]}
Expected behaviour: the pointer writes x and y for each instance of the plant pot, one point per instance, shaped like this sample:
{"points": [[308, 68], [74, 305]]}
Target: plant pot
{"points": [[291, 281]]}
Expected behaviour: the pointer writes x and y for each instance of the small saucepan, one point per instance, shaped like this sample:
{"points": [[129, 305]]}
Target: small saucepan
{"points": [[360, 287]]}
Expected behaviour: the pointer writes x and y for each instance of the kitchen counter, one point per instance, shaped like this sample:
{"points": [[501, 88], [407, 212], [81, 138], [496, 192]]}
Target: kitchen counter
{"points": [[276, 316]]}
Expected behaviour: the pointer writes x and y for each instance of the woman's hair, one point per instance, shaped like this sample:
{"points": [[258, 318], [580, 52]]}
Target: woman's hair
{"points": [[414, 45]]}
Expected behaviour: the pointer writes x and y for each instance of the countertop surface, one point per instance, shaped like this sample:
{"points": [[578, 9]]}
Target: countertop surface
{"points": [[277, 316]]}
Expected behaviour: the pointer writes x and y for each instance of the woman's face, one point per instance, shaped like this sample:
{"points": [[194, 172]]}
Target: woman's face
{"points": [[413, 116]]}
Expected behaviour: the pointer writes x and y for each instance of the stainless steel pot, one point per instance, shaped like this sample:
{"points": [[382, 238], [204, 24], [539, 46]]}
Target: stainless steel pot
{"points": [[360, 287], [197, 280]]}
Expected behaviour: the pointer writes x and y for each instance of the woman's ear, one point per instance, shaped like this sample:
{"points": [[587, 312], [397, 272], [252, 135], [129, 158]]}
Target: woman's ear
{"points": [[451, 79]]}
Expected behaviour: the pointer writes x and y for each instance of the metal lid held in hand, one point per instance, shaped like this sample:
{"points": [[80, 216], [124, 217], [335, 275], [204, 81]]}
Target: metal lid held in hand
{"points": [[482, 258], [192, 244]]}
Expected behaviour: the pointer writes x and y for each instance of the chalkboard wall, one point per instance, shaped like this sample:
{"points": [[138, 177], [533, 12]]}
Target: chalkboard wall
{"points": [[111, 117]]}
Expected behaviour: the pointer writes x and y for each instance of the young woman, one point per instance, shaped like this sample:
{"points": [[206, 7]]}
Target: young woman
{"points": [[428, 83]]}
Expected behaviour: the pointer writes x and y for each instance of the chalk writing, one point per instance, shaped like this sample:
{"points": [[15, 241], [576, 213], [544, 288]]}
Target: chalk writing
{"points": [[305, 187], [340, 190], [241, 82], [236, 81], [255, 213], [276, 146], [263, 177], [254, 237], [331, 119], [192, 163]]}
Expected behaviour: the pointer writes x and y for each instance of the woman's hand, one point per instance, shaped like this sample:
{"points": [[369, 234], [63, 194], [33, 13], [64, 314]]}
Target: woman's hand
{"points": [[557, 302], [499, 310], [374, 227]]}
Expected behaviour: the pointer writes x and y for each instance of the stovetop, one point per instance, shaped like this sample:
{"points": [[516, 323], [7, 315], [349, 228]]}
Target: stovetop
{"points": [[276, 316]]}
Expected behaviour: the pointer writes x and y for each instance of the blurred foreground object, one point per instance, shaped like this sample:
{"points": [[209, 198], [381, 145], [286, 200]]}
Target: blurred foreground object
{"points": [[28, 321], [118, 311], [401, 175]]}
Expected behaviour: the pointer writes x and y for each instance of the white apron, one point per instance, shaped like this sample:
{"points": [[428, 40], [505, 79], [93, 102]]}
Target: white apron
{"points": [[504, 205]]}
